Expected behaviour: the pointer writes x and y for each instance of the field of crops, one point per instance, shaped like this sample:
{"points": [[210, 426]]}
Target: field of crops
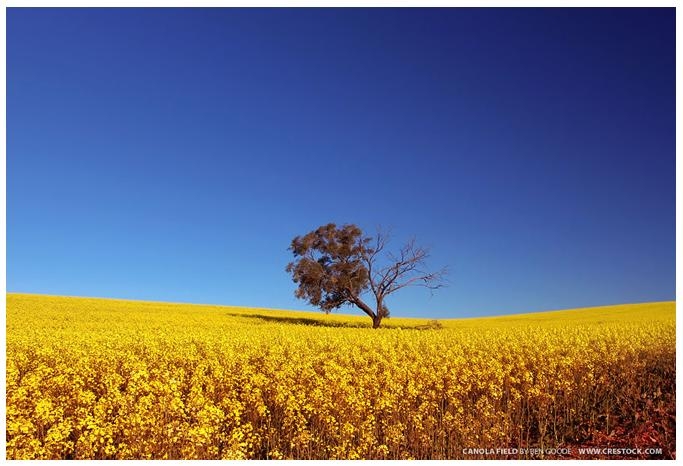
{"points": [[98, 379]]}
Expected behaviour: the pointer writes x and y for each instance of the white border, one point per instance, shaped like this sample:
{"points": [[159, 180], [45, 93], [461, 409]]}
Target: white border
{"points": [[309, 3], [679, 219], [3, 215], [339, 3]]}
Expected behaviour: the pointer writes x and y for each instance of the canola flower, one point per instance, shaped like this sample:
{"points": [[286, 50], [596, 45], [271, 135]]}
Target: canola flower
{"points": [[113, 379]]}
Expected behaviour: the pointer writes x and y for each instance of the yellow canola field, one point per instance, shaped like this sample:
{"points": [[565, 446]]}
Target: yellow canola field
{"points": [[114, 379]]}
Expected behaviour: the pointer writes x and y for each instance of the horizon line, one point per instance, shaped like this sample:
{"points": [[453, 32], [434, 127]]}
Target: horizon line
{"points": [[334, 313]]}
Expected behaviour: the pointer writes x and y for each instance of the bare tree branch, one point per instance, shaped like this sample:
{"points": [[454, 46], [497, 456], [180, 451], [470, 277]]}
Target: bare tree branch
{"points": [[370, 258]]}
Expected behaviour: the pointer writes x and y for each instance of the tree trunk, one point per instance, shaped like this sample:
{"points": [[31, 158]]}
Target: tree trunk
{"points": [[376, 321], [376, 317], [379, 314]]}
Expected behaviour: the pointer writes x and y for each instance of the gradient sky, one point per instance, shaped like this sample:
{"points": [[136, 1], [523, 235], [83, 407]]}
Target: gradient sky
{"points": [[172, 154]]}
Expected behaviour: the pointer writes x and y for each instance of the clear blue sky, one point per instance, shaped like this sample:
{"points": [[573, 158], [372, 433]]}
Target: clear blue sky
{"points": [[173, 154]]}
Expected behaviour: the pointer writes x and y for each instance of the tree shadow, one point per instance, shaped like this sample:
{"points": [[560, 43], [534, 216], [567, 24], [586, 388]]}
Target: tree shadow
{"points": [[316, 322], [302, 321]]}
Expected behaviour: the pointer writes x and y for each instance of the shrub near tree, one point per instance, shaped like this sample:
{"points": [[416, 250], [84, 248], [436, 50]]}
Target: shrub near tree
{"points": [[334, 266]]}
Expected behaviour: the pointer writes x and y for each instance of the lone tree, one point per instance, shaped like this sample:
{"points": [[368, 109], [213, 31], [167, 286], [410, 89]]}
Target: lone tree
{"points": [[337, 265]]}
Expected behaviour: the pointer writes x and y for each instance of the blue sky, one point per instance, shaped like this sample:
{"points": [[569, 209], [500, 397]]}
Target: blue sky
{"points": [[172, 154]]}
